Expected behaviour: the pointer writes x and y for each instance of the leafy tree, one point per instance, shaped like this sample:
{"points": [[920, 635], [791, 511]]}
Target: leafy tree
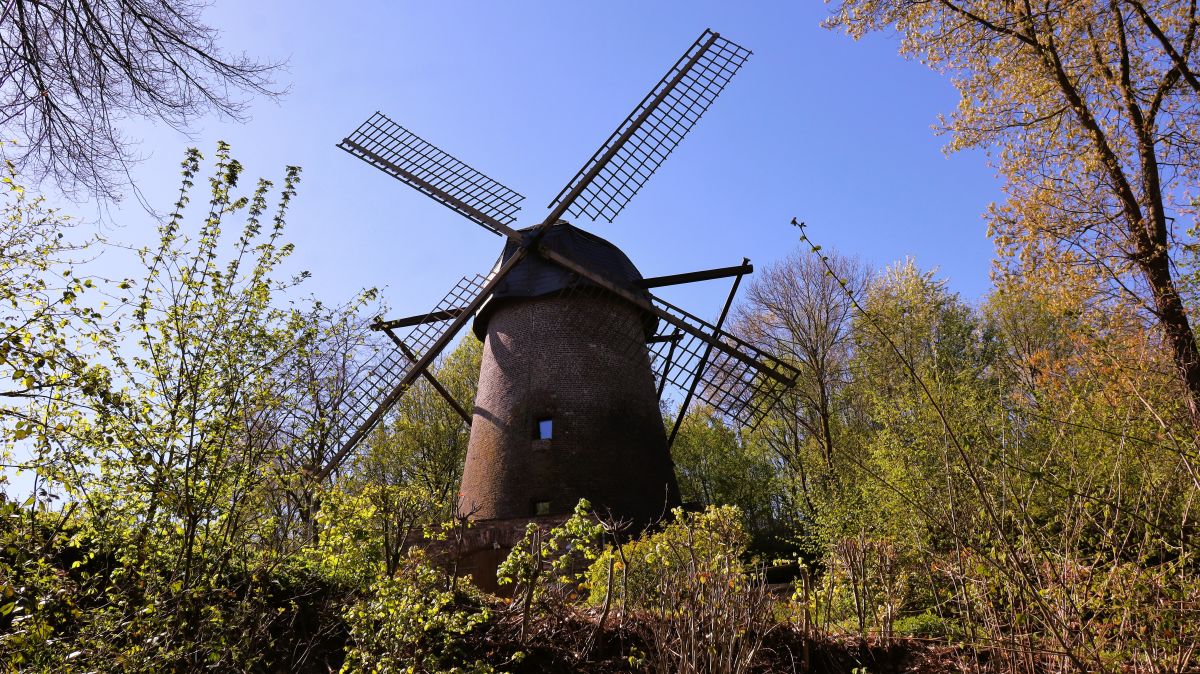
{"points": [[317, 378], [1090, 112], [544, 558], [917, 347], [169, 465], [799, 311], [50, 336], [718, 466]]}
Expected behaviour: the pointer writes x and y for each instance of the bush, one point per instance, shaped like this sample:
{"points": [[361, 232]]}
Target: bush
{"points": [[702, 611], [923, 626], [706, 543], [410, 622]]}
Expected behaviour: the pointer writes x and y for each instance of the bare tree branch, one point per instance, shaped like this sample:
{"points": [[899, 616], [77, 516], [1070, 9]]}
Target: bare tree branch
{"points": [[72, 72]]}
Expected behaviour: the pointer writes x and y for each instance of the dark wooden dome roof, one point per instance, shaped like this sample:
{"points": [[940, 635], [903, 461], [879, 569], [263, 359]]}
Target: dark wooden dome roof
{"points": [[537, 277]]}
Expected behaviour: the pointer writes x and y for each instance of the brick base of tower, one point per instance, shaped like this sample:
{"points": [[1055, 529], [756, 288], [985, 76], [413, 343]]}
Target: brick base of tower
{"points": [[484, 546], [580, 363]]}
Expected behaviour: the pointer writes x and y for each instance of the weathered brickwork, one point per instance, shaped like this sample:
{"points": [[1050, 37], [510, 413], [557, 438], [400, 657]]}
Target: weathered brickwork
{"points": [[609, 446], [484, 546]]}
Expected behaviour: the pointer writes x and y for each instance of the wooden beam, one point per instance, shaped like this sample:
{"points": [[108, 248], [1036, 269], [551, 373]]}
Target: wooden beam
{"points": [[437, 385], [692, 277], [419, 319]]}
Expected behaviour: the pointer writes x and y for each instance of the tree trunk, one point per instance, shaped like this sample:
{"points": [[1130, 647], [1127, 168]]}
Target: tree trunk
{"points": [[1177, 329]]}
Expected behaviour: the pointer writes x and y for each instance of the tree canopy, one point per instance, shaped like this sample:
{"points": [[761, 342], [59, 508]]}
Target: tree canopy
{"points": [[1091, 113]]}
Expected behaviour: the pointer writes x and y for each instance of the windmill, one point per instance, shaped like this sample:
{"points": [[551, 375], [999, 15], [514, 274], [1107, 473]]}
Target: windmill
{"points": [[578, 352]]}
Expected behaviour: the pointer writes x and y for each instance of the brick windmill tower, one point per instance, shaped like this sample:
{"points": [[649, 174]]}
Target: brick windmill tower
{"points": [[577, 352]]}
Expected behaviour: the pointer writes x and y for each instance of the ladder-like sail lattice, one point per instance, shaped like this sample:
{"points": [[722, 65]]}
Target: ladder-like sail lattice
{"points": [[742, 388], [379, 388], [414, 161], [611, 178]]}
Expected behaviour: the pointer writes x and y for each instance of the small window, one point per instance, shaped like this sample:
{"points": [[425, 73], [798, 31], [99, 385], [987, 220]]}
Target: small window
{"points": [[541, 507], [544, 429]]}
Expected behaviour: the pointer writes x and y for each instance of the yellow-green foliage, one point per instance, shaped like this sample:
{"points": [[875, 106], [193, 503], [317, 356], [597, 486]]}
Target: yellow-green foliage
{"points": [[411, 622], [704, 546], [557, 551], [365, 530]]}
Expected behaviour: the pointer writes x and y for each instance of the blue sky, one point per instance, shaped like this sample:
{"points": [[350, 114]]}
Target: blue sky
{"points": [[816, 126]]}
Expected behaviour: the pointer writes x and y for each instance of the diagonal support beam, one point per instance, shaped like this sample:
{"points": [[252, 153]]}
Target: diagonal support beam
{"points": [[423, 362], [437, 385], [673, 338], [687, 400]]}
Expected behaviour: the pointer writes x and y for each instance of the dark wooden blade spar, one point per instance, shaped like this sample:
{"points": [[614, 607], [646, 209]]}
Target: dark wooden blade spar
{"points": [[437, 344], [693, 277]]}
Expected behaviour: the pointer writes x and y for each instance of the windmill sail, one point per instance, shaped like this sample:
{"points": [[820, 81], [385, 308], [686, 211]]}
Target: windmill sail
{"points": [[423, 166], [615, 173], [392, 371], [740, 380]]}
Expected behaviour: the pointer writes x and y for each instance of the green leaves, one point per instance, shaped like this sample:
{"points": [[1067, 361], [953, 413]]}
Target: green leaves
{"points": [[409, 622]]}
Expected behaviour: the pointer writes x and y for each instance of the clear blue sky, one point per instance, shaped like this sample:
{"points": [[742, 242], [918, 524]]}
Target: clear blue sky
{"points": [[817, 126]]}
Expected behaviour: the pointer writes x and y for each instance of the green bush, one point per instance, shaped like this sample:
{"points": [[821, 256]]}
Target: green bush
{"points": [[411, 622], [700, 609], [707, 543], [925, 626]]}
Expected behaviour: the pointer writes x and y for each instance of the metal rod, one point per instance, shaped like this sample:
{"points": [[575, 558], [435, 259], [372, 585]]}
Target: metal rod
{"points": [[419, 319], [586, 180], [692, 277], [687, 400], [446, 197], [421, 364], [437, 385]]}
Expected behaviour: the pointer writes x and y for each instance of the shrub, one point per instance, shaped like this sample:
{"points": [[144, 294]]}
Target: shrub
{"points": [[410, 622], [713, 541], [550, 560], [922, 626], [702, 611]]}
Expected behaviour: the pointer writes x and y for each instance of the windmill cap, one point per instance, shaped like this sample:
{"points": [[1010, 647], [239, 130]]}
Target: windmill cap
{"points": [[536, 276]]}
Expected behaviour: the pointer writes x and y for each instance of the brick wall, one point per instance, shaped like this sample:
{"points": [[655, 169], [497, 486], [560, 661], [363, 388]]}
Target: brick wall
{"points": [[568, 359]]}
